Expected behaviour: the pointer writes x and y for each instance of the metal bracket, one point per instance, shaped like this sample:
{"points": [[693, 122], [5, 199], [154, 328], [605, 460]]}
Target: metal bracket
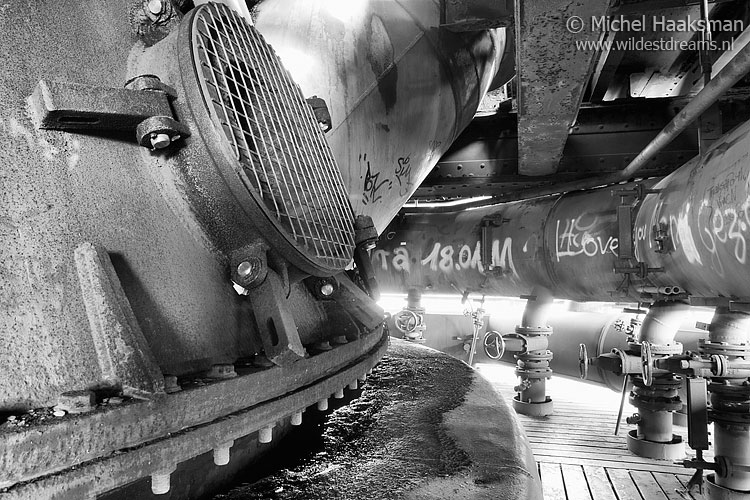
{"points": [[641, 269], [322, 114], [142, 108], [639, 192], [365, 239], [625, 217], [662, 238], [278, 331]]}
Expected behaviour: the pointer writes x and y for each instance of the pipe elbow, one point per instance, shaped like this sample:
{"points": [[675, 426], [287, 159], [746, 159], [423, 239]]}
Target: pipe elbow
{"points": [[662, 322], [538, 307]]}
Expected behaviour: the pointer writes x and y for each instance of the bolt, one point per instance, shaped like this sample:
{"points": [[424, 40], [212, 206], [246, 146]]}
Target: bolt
{"points": [[265, 435], [155, 7], [222, 371], [160, 483], [249, 271], [684, 364], [326, 289], [76, 401], [297, 418], [221, 453], [160, 141], [170, 384]]}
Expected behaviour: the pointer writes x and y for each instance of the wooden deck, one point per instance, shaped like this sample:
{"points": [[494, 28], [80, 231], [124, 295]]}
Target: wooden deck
{"points": [[578, 455]]}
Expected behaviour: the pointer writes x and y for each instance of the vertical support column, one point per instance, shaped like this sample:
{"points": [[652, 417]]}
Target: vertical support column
{"points": [[728, 348], [533, 359], [655, 395]]}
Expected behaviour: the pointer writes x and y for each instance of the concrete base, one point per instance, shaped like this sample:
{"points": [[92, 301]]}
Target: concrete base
{"points": [[533, 409], [674, 450], [716, 492]]}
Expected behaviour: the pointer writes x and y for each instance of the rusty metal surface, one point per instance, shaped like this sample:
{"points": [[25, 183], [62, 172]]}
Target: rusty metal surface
{"points": [[118, 469], [40, 450], [124, 358], [475, 15], [166, 219], [398, 88], [552, 74], [604, 139]]}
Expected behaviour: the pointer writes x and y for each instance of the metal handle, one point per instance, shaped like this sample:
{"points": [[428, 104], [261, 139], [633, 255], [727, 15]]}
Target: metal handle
{"points": [[647, 365], [583, 361], [494, 345]]}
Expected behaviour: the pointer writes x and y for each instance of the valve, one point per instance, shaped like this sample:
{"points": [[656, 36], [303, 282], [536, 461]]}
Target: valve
{"points": [[647, 365], [583, 361], [494, 345], [410, 323]]}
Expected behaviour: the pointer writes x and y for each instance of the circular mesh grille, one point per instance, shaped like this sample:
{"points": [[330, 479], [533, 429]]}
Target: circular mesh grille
{"points": [[274, 135]]}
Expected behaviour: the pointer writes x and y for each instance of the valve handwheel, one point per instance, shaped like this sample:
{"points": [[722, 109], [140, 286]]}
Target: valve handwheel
{"points": [[406, 321], [494, 345], [647, 365], [583, 361]]}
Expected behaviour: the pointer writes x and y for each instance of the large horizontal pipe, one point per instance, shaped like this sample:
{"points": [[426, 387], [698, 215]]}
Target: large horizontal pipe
{"points": [[692, 234]]}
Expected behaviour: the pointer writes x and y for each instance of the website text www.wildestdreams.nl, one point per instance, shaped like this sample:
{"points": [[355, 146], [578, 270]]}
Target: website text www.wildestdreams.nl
{"points": [[640, 44]]}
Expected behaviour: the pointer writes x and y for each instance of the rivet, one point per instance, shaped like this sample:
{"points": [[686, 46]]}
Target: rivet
{"points": [[221, 453], [160, 483]]}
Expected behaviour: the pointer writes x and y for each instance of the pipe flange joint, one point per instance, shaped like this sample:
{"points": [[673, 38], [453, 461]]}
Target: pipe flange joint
{"points": [[534, 330], [723, 349], [655, 404]]}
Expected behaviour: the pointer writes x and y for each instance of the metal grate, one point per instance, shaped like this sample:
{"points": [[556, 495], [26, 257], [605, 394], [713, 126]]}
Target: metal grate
{"points": [[273, 134]]}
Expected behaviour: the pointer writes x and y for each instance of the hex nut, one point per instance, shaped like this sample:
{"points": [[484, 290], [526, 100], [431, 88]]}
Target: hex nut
{"points": [[221, 371], [76, 401]]}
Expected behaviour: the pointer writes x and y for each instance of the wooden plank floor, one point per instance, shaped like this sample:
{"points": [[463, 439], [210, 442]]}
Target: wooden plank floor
{"points": [[578, 455]]}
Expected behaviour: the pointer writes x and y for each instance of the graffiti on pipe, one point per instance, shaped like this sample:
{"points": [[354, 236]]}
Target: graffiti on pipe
{"points": [[717, 230], [372, 186], [403, 176], [448, 259], [587, 235]]}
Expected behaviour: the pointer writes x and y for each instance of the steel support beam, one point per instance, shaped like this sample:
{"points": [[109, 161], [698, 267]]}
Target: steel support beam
{"points": [[552, 75]]}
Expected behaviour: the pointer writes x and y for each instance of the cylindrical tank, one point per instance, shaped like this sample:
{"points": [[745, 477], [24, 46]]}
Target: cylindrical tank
{"points": [[399, 88]]}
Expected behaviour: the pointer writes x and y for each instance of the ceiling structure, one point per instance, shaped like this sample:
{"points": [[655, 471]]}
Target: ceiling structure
{"points": [[574, 117]]}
